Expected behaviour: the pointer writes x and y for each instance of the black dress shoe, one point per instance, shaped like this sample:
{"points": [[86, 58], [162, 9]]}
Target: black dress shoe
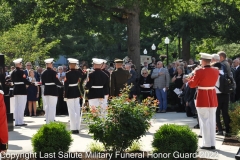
{"points": [[205, 147], [199, 136], [196, 126], [21, 125], [75, 131], [213, 147], [195, 116], [219, 133]]}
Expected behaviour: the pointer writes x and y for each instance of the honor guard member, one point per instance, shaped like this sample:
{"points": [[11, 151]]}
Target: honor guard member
{"points": [[72, 95], [106, 89], [205, 79], [3, 125], [119, 78], [20, 92], [50, 81], [97, 81]]}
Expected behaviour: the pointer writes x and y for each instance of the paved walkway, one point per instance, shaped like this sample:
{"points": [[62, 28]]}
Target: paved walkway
{"points": [[20, 138]]}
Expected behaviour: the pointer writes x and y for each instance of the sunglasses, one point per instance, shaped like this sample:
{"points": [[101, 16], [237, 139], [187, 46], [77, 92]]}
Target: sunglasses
{"points": [[145, 73]]}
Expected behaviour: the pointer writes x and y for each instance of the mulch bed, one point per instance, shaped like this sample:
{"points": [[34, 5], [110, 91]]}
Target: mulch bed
{"points": [[232, 141]]}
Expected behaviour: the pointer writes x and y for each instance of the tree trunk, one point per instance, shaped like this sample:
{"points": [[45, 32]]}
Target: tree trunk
{"points": [[185, 47], [133, 39]]}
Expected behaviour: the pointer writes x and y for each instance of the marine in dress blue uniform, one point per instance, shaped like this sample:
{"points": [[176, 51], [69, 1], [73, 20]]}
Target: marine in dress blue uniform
{"points": [[20, 92], [97, 81], [72, 95], [50, 81]]}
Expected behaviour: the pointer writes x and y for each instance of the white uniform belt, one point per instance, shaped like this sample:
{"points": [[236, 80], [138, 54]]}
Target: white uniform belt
{"points": [[49, 84], [11, 89], [18, 83], [206, 88], [97, 86], [72, 85]]}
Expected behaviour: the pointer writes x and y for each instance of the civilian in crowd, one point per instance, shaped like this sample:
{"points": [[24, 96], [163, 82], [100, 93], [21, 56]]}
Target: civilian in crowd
{"points": [[145, 65], [161, 83], [61, 73], [152, 64], [225, 63], [38, 74], [133, 67], [233, 70], [28, 66], [32, 94], [237, 78], [55, 69], [12, 69], [171, 69], [110, 70], [188, 97], [145, 83], [230, 62], [64, 68], [223, 103], [190, 61], [6, 71], [61, 104], [215, 58], [206, 102], [177, 63], [178, 83], [185, 67], [131, 80]]}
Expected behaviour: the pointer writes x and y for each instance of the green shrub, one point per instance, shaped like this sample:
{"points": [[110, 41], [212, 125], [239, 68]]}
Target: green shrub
{"points": [[126, 121], [135, 147], [96, 147], [233, 106], [52, 138], [235, 120], [171, 138], [238, 136]]}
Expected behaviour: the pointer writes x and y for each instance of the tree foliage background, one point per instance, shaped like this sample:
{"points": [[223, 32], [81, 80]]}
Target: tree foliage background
{"points": [[83, 29]]}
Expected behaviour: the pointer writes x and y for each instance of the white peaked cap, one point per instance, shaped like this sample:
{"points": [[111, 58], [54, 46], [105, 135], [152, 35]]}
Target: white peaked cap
{"points": [[49, 60], [97, 61], [19, 60], [72, 60], [206, 56], [104, 61]]}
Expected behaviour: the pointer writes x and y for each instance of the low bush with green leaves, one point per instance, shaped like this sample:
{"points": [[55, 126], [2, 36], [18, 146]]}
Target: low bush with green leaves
{"points": [[126, 121], [135, 147], [238, 136], [172, 138], [96, 147], [233, 106], [235, 120], [52, 138]]}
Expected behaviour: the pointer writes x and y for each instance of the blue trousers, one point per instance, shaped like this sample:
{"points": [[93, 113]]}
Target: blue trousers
{"points": [[162, 98]]}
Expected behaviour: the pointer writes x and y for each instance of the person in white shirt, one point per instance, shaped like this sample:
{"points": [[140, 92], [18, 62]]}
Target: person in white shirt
{"points": [[61, 74]]}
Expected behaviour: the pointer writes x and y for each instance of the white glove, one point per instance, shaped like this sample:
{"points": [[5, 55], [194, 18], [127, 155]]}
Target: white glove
{"points": [[1, 92]]}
